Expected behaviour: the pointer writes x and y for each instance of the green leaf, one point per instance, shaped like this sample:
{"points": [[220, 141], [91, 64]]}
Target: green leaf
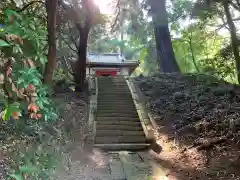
{"points": [[5, 116], [10, 12], [16, 176], [143, 54], [28, 169], [32, 26], [4, 43], [14, 107], [42, 60]]}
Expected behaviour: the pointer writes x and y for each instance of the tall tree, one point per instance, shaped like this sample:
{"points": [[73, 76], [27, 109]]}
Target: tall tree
{"points": [[84, 23], [234, 38], [165, 52], [224, 10], [51, 9]]}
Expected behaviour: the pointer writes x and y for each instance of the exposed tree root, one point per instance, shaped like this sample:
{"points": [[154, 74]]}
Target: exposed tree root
{"points": [[207, 144]]}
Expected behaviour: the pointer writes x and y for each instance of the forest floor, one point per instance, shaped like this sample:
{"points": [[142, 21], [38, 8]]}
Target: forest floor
{"points": [[198, 128], [198, 125], [47, 144], [81, 161]]}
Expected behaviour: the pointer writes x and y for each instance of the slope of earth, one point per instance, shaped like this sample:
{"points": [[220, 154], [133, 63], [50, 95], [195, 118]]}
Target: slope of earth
{"points": [[198, 125]]}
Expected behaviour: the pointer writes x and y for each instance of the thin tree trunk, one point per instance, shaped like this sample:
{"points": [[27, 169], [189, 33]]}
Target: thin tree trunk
{"points": [[166, 58], [234, 39], [80, 66], [51, 8], [121, 46], [192, 53]]}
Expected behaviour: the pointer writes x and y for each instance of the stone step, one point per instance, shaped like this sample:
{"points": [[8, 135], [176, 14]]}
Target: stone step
{"points": [[120, 99], [115, 101], [120, 139], [112, 82], [127, 111], [115, 106], [115, 96], [123, 146], [116, 112], [108, 87], [114, 91], [118, 127], [130, 108], [127, 115], [103, 119], [120, 85], [102, 83], [111, 133], [106, 106], [119, 95], [115, 85], [125, 97], [125, 103], [115, 122], [102, 100]]}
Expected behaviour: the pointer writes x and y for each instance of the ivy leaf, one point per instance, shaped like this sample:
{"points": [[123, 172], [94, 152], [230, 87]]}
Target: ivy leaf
{"points": [[4, 43]]}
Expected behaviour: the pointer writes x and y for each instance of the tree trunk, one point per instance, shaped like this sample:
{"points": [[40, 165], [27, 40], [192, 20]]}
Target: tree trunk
{"points": [[51, 8], [234, 39], [165, 53], [122, 45], [80, 66], [193, 57]]}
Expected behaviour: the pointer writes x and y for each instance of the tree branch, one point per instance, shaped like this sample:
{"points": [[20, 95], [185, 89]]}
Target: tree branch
{"points": [[117, 17], [70, 70], [235, 6], [71, 36], [70, 47], [29, 4]]}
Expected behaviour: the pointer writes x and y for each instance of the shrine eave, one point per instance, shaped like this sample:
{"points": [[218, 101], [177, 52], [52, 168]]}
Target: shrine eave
{"points": [[112, 65]]}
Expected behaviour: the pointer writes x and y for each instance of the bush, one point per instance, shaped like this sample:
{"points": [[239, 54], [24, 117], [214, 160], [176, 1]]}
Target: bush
{"points": [[22, 60]]}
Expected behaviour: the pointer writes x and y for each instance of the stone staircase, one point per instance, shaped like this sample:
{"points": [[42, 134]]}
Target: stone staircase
{"points": [[117, 123]]}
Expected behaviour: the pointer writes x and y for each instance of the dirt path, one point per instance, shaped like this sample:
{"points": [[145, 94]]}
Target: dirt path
{"points": [[85, 163], [93, 164]]}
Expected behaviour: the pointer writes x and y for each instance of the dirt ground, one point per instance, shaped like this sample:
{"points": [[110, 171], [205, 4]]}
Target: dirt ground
{"points": [[198, 125]]}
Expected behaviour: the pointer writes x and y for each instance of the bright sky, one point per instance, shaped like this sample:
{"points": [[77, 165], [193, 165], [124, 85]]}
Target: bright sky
{"points": [[105, 6]]}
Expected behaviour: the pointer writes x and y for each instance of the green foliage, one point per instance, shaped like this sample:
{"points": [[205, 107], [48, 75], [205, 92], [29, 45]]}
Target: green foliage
{"points": [[23, 41], [23, 95], [9, 109], [4, 43]]}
